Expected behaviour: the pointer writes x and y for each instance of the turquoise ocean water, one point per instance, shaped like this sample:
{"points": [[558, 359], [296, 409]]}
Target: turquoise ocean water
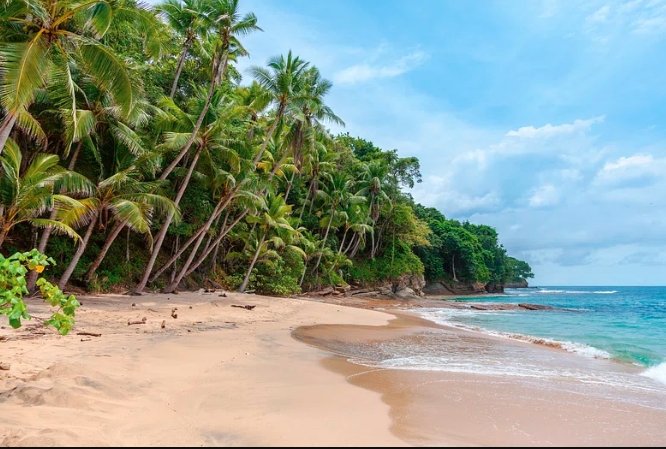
{"points": [[626, 324]]}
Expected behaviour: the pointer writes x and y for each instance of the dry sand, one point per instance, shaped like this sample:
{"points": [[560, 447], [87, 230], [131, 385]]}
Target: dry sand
{"points": [[215, 375], [224, 376]]}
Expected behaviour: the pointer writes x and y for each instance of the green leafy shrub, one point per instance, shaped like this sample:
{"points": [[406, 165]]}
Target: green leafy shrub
{"points": [[13, 271], [388, 266]]}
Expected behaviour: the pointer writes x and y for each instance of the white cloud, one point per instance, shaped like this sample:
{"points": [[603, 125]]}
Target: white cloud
{"points": [[548, 130], [544, 195], [360, 73], [639, 167]]}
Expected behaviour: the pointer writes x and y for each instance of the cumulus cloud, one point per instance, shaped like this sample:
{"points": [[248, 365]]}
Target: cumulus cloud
{"points": [[360, 73], [548, 130], [638, 167]]}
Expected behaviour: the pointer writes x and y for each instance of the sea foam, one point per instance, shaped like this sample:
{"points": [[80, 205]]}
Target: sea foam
{"points": [[657, 373]]}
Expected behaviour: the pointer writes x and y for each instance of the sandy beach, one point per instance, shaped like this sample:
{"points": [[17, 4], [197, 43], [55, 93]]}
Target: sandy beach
{"points": [[220, 375]]}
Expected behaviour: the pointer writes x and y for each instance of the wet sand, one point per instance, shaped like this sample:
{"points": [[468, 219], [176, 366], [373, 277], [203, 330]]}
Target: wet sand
{"points": [[439, 408]]}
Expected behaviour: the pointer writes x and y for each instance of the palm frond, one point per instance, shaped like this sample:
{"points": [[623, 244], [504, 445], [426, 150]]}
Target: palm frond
{"points": [[24, 69]]}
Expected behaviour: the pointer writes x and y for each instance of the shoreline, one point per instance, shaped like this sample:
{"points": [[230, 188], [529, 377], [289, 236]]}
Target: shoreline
{"points": [[220, 375], [438, 407]]}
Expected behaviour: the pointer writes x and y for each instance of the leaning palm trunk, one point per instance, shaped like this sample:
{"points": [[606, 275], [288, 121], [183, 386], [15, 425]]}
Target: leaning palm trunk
{"points": [[77, 255], [3, 235], [6, 128], [251, 267], [102, 253], [165, 226], [219, 69], [215, 244], [289, 185], [271, 131], [342, 243], [224, 201], [323, 244], [181, 63]]}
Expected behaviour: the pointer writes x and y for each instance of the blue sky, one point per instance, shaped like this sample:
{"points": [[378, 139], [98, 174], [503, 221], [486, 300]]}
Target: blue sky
{"points": [[544, 119]]}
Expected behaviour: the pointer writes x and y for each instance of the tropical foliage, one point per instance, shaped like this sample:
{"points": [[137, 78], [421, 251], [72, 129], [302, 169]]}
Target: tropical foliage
{"points": [[13, 286], [136, 154]]}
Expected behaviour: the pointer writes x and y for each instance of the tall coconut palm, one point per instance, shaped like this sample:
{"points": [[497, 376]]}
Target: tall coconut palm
{"points": [[26, 195], [48, 35], [309, 113], [229, 26], [373, 187], [188, 18], [283, 78], [272, 219]]}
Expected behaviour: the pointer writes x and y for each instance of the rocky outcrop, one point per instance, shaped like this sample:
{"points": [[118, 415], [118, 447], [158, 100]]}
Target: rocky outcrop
{"points": [[407, 286], [492, 287], [454, 288], [522, 284]]}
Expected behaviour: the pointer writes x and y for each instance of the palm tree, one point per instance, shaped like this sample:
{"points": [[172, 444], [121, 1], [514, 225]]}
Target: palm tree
{"points": [[188, 18], [309, 113], [43, 40], [282, 79], [272, 219], [130, 202], [373, 186], [337, 193], [229, 25], [25, 196]]}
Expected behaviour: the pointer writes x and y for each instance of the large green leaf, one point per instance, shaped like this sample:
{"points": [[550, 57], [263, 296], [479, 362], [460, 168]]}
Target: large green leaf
{"points": [[109, 72], [24, 70]]}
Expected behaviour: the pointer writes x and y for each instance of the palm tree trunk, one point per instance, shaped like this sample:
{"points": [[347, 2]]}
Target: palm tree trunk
{"points": [[305, 269], [351, 243], [175, 265], [342, 243], [323, 245], [224, 201], [216, 243], [3, 235], [254, 260], [289, 185], [6, 128], [372, 243], [181, 63], [165, 226], [453, 267], [355, 250], [219, 65], [271, 131], [77, 254], [213, 259], [75, 156], [216, 213], [102, 253]]}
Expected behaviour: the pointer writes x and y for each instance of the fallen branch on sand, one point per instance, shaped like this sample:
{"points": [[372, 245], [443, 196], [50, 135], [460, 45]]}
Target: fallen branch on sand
{"points": [[90, 334], [243, 307], [143, 321]]}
